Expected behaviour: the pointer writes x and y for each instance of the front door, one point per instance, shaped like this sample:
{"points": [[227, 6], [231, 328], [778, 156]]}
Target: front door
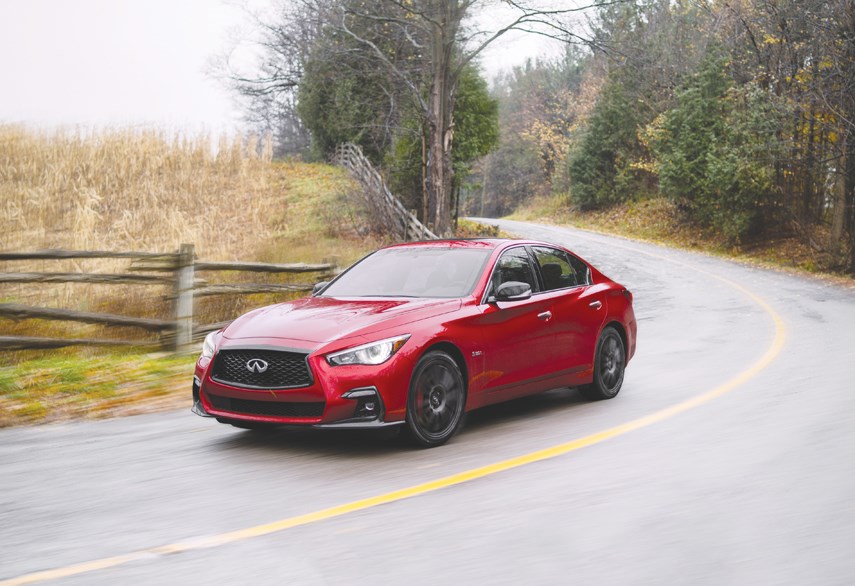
{"points": [[517, 351]]}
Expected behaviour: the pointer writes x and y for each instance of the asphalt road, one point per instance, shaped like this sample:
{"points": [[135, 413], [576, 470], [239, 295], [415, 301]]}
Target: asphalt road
{"points": [[754, 485]]}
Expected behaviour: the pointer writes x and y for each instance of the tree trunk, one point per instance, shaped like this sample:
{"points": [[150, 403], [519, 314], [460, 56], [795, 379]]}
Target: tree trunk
{"points": [[439, 156], [808, 186], [455, 189], [838, 211], [425, 193], [849, 196], [484, 184], [849, 142], [440, 108]]}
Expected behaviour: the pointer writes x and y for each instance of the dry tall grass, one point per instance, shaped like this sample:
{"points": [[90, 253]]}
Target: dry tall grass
{"points": [[132, 190], [151, 191]]}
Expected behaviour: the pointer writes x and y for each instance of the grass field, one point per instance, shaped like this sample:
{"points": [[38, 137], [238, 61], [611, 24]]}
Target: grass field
{"points": [[147, 191], [74, 386]]}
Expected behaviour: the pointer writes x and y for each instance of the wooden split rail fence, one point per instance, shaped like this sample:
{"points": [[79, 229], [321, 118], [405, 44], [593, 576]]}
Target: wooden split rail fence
{"points": [[382, 203], [177, 270]]}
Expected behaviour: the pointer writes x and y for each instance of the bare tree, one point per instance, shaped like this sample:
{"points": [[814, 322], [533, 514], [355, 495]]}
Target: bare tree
{"points": [[442, 35], [284, 43], [443, 32]]}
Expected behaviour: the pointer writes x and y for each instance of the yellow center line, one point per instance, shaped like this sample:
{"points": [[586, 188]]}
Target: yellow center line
{"points": [[337, 511]]}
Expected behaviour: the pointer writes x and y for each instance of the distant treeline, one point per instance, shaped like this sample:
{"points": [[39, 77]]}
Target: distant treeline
{"points": [[741, 112]]}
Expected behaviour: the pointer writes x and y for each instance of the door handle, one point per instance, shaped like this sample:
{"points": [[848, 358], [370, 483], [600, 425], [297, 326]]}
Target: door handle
{"points": [[595, 304], [545, 315]]}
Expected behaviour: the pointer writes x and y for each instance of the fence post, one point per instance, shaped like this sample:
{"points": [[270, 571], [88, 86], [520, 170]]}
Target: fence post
{"points": [[184, 297]]}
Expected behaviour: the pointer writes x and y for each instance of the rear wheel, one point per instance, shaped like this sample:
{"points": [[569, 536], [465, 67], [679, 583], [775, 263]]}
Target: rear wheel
{"points": [[436, 400], [609, 365]]}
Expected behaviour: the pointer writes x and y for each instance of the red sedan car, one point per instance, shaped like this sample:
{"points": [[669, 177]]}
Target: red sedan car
{"points": [[418, 334]]}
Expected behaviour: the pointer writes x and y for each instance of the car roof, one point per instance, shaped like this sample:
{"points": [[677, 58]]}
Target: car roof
{"points": [[453, 243], [483, 243]]}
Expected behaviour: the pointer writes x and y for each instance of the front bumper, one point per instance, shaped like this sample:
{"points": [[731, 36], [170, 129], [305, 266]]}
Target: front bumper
{"points": [[375, 422], [353, 396]]}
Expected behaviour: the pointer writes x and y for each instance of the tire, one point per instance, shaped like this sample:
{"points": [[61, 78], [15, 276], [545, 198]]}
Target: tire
{"points": [[609, 365], [436, 400]]}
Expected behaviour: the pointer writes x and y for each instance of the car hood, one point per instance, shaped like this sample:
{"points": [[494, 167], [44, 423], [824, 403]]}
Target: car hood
{"points": [[322, 319]]}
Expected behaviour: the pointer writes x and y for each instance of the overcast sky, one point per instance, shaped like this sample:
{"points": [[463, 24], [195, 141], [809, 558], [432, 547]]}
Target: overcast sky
{"points": [[134, 62]]}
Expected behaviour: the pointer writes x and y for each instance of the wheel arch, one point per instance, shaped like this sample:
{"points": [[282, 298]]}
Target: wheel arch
{"points": [[621, 332], [456, 355]]}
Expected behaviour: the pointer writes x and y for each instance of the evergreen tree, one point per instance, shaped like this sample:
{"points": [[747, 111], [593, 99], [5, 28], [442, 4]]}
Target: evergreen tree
{"points": [[716, 150], [605, 168], [344, 97], [688, 133]]}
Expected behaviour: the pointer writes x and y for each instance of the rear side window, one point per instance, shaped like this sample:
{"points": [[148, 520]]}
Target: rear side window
{"points": [[559, 269], [583, 272]]}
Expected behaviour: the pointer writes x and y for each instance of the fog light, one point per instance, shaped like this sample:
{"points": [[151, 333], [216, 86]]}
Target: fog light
{"points": [[366, 407], [368, 403]]}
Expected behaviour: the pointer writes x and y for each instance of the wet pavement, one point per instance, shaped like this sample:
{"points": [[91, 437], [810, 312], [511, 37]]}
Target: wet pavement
{"points": [[755, 486]]}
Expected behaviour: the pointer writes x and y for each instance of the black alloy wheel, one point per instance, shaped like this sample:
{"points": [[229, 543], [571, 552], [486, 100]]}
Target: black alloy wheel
{"points": [[609, 365], [436, 400]]}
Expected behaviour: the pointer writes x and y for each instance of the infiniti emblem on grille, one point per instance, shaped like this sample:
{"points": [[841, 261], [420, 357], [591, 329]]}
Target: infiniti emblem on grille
{"points": [[256, 365]]}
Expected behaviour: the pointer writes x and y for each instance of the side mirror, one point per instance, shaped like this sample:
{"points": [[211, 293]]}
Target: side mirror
{"points": [[319, 287], [513, 291]]}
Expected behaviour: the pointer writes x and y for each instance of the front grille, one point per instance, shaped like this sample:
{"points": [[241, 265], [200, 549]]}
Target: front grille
{"points": [[271, 408], [284, 369]]}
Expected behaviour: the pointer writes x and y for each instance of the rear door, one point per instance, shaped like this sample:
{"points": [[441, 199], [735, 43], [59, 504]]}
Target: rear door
{"points": [[577, 312]]}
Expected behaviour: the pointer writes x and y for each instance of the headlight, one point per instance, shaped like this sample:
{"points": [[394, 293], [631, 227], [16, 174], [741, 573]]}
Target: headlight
{"points": [[373, 353], [208, 346]]}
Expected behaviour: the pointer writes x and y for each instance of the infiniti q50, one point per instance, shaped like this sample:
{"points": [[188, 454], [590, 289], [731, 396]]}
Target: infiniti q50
{"points": [[417, 335]]}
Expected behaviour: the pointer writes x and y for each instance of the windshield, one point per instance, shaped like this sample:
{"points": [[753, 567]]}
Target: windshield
{"points": [[412, 272]]}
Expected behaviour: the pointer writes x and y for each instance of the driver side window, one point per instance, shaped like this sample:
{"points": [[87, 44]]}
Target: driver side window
{"points": [[513, 265]]}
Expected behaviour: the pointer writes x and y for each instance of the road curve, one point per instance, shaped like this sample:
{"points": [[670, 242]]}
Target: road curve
{"points": [[754, 484]]}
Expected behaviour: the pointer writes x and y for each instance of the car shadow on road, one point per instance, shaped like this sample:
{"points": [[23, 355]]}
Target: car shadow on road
{"points": [[384, 442], [525, 408]]}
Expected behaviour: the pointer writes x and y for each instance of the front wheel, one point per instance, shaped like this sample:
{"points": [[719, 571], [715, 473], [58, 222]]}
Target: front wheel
{"points": [[436, 400], [609, 365]]}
